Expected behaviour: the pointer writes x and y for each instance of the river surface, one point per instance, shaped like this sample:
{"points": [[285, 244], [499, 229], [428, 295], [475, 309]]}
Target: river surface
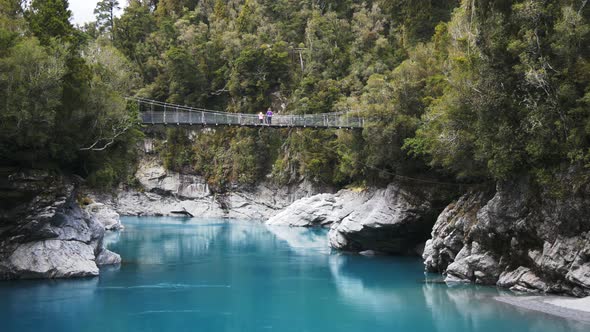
{"points": [[218, 275]]}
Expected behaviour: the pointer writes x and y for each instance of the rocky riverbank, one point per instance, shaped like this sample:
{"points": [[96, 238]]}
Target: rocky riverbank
{"points": [[516, 236], [519, 237], [568, 308], [392, 220], [44, 233], [162, 191]]}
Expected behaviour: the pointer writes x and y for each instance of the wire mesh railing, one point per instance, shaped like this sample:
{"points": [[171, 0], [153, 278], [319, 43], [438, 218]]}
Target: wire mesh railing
{"points": [[159, 113]]}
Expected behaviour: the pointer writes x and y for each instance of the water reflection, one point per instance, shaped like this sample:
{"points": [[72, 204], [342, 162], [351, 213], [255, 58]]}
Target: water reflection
{"points": [[155, 244], [473, 308], [362, 289], [304, 241]]}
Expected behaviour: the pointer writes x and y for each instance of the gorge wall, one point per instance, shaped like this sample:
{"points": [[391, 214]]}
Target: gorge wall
{"points": [[44, 233], [519, 237], [161, 192], [516, 236]]}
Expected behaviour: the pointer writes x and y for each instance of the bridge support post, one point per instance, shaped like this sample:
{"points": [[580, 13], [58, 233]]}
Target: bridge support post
{"points": [[152, 111]]}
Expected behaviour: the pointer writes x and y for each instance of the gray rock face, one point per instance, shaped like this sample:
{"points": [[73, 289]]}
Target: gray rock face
{"points": [[105, 215], [521, 238], [394, 220], [389, 221], [107, 257], [265, 200], [155, 178], [165, 191], [473, 264], [522, 280], [450, 231], [53, 259], [46, 234], [320, 210]]}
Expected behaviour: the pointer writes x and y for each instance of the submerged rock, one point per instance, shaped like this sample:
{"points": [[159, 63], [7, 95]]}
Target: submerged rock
{"points": [[45, 234], [107, 257], [520, 238], [368, 253]]}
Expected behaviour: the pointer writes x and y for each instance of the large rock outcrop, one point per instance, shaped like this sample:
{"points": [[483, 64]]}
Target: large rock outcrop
{"points": [[163, 191], [450, 230], [394, 220], [105, 215], [154, 178], [43, 231], [321, 210], [521, 237]]}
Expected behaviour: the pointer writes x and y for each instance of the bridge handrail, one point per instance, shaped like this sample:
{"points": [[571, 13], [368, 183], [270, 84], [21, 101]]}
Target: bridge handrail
{"points": [[166, 113], [198, 109]]}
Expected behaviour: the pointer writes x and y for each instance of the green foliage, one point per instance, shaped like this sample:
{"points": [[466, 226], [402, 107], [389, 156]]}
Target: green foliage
{"points": [[225, 157], [105, 15], [255, 74], [480, 89], [515, 99], [31, 96], [50, 19], [63, 103], [177, 154], [307, 154], [133, 29]]}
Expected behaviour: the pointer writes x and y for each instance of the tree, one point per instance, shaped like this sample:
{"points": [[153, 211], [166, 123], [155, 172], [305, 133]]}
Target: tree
{"points": [[31, 96], [132, 30], [105, 16], [50, 19]]}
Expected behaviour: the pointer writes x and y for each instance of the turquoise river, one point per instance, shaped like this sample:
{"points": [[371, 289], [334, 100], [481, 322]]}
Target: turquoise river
{"points": [[219, 275]]}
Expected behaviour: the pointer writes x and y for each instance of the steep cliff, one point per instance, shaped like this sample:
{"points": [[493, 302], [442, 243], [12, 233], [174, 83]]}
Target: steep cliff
{"points": [[521, 237], [43, 231]]}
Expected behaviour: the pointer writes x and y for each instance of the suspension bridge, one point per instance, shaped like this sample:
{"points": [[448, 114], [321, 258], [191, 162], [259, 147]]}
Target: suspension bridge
{"points": [[154, 112]]}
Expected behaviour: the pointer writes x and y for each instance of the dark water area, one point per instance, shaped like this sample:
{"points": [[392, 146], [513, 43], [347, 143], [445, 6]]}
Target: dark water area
{"points": [[219, 275]]}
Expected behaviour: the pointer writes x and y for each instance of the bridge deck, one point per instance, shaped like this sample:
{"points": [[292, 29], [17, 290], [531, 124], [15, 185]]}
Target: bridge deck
{"points": [[158, 113]]}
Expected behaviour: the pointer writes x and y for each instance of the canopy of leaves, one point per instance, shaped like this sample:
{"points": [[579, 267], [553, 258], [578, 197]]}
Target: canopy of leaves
{"points": [[62, 98], [471, 89]]}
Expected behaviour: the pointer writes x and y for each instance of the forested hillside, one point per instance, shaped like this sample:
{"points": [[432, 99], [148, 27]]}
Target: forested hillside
{"points": [[62, 96], [474, 90]]}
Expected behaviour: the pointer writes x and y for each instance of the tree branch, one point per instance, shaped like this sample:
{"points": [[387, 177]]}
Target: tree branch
{"points": [[582, 7], [109, 142]]}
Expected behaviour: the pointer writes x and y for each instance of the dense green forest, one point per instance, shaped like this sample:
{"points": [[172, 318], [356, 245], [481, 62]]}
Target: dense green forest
{"points": [[473, 90]]}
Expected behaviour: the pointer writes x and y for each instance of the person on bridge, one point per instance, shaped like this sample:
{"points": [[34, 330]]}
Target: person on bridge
{"points": [[260, 117], [269, 116]]}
